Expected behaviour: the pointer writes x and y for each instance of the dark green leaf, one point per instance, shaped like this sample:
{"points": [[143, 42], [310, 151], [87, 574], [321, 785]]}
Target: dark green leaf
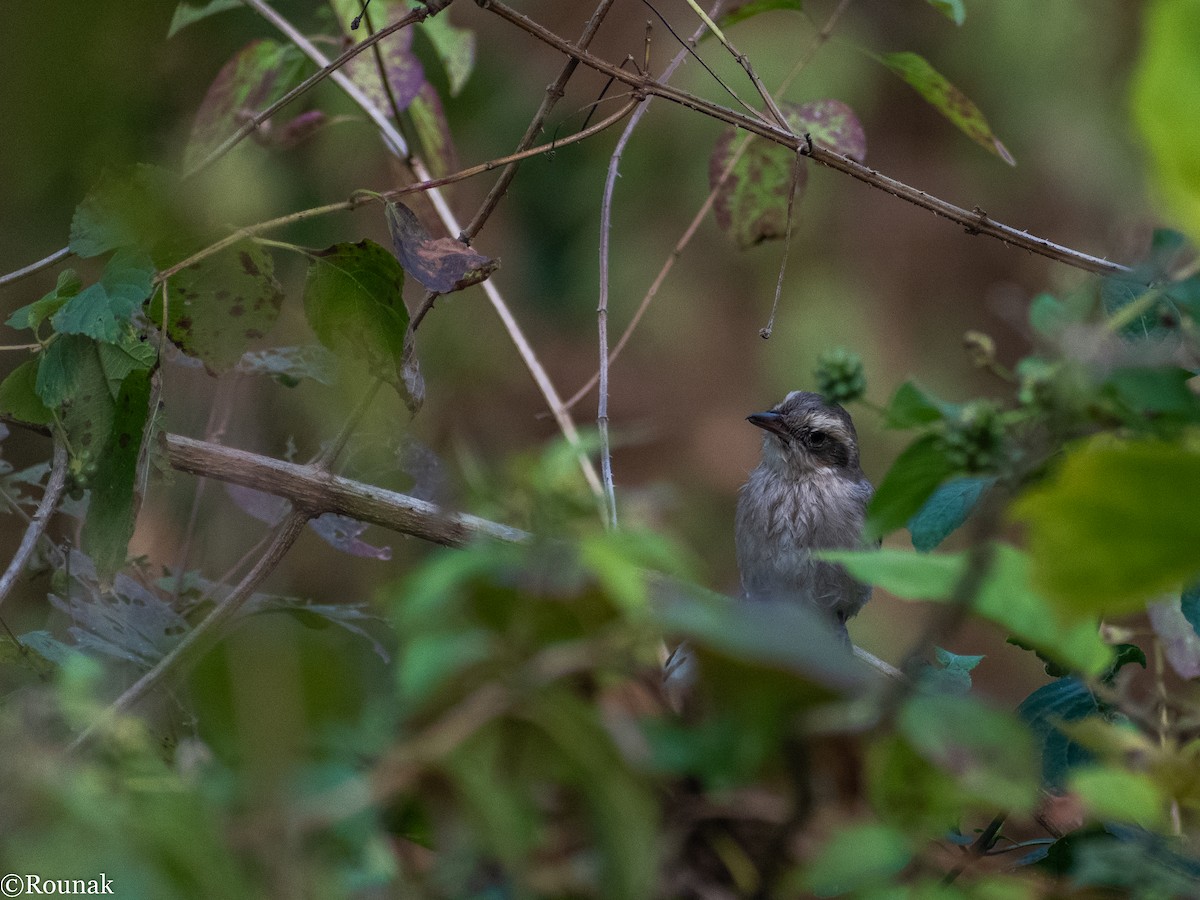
{"points": [[130, 210], [58, 369], [442, 265], [1147, 865], [1189, 603], [1161, 390], [222, 303], [115, 498], [745, 10], [911, 480], [353, 303], [950, 675], [19, 397], [1064, 700], [1115, 525], [946, 99], [951, 9], [1153, 321], [104, 310], [186, 13], [912, 405], [260, 73], [946, 510], [33, 314]]}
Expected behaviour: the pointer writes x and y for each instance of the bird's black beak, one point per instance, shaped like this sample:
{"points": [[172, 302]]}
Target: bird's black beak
{"points": [[769, 421]]}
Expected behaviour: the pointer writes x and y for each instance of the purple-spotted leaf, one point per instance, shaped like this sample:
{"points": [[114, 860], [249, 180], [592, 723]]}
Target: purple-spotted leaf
{"points": [[741, 11], [261, 73], [220, 304], [405, 75], [952, 103], [345, 534], [752, 203], [115, 498], [353, 304], [442, 265], [433, 132]]}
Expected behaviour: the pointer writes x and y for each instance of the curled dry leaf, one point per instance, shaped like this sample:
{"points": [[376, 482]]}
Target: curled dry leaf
{"points": [[442, 265]]}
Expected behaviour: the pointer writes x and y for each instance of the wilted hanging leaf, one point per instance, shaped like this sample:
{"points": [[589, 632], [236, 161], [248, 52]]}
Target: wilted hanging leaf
{"points": [[260, 73], [220, 304], [752, 204], [104, 310], [454, 46], [353, 303], [115, 500], [433, 132], [952, 103], [442, 265], [267, 508], [345, 534]]}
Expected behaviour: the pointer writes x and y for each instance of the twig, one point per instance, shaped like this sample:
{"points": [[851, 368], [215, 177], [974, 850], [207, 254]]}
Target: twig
{"points": [[205, 630], [554, 93], [397, 144], [797, 162], [41, 518], [35, 267], [974, 221]]}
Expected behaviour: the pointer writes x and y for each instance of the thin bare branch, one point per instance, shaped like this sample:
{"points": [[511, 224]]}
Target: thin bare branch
{"points": [[41, 518], [976, 221], [35, 267]]}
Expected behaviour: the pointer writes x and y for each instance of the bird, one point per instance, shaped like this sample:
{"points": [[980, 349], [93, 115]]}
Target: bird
{"points": [[808, 493]]}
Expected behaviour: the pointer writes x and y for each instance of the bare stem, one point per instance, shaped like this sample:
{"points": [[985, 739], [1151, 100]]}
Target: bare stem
{"points": [[41, 518]]}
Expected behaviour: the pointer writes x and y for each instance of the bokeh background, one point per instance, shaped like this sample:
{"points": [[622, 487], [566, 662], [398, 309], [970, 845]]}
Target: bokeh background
{"points": [[96, 85]]}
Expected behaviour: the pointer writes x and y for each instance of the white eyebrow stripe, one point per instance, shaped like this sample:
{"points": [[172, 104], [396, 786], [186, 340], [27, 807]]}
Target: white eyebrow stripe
{"points": [[826, 423]]}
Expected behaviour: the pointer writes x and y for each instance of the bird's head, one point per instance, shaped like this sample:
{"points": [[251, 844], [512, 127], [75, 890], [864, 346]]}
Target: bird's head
{"points": [[805, 435]]}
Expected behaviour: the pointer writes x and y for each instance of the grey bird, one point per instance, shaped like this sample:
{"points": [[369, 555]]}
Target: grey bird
{"points": [[808, 493]]}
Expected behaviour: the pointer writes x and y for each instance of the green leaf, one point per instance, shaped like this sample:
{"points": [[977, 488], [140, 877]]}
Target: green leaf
{"points": [[1115, 525], [909, 483], [1165, 97], [1189, 604], [124, 210], [1162, 391], [222, 303], [454, 47], [1005, 597], [1117, 795], [752, 203], [946, 510], [104, 310], [19, 397], [258, 75], [353, 303], [912, 405], [951, 9], [950, 675], [857, 857], [115, 500], [33, 314], [186, 13], [909, 791], [58, 369], [990, 754], [741, 11], [946, 99]]}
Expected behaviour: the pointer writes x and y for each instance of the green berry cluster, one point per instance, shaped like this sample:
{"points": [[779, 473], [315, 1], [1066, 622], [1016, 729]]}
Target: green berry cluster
{"points": [[973, 440], [840, 376], [79, 474]]}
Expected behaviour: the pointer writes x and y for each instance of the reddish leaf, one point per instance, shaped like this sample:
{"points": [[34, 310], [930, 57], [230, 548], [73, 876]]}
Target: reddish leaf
{"points": [[405, 75], [442, 265]]}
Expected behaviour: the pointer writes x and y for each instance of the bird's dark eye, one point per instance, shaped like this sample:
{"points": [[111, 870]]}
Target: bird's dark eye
{"points": [[817, 438]]}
